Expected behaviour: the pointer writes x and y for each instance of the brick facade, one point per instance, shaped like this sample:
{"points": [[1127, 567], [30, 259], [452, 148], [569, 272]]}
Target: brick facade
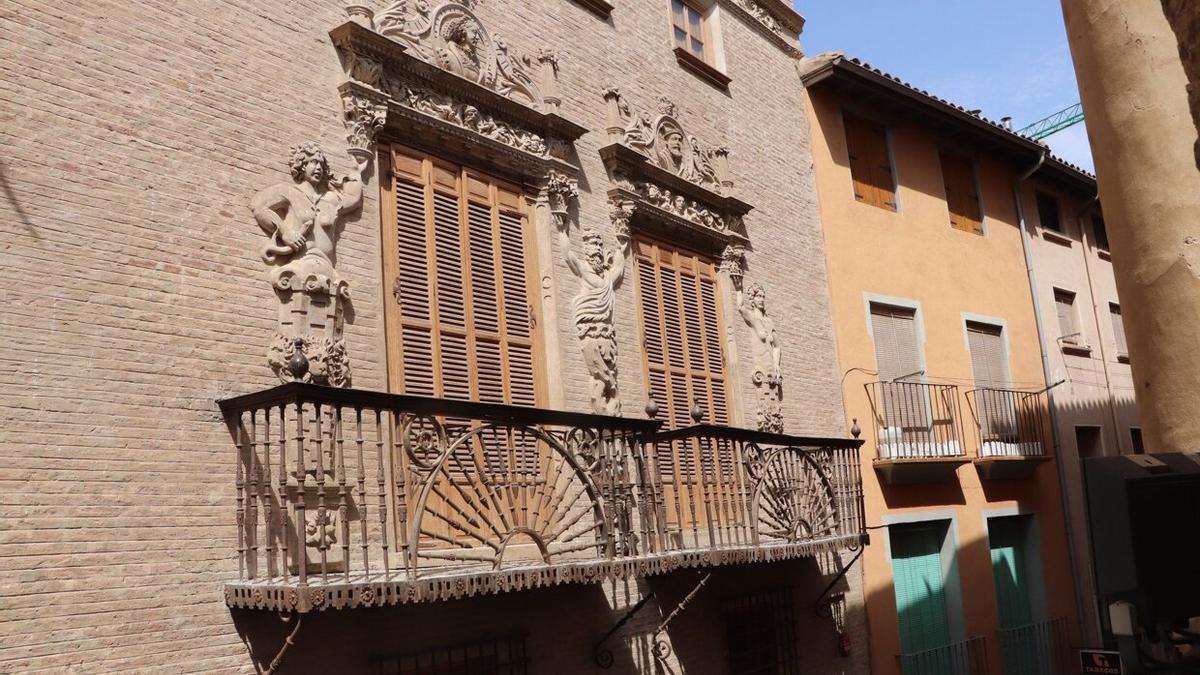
{"points": [[133, 137]]}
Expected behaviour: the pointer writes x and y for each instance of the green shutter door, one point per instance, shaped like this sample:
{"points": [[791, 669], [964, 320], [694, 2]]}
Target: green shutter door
{"points": [[1007, 540], [920, 590], [1023, 653]]}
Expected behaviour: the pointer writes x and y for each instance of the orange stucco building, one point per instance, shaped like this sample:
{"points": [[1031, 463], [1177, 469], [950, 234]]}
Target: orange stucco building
{"points": [[941, 363]]}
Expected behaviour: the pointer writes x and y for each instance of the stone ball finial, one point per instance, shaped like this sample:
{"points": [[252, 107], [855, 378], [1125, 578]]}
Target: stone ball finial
{"points": [[651, 407], [855, 430], [298, 364], [697, 413]]}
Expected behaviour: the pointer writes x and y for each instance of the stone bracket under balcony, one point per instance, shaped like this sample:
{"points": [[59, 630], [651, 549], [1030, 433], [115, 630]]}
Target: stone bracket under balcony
{"points": [[918, 470], [348, 498]]}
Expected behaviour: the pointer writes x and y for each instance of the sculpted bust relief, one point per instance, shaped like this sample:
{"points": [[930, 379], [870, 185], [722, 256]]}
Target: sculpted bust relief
{"points": [[300, 218], [462, 36]]}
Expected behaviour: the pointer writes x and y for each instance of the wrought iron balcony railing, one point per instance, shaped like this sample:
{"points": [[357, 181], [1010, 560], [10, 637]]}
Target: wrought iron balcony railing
{"points": [[1041, 648], [968, 657], [1010, 423], [916, 420], [354, 498]]}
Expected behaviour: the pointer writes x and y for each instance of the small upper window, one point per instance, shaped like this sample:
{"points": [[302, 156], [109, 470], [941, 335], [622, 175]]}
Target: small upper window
{"points": [[1047, 207], [691, 29], [1068, 320], [962, 193], [1114, 311], [1100, 232], [870, 162]]}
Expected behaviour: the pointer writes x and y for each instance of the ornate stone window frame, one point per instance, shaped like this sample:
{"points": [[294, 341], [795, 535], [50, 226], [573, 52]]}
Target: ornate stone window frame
{"points": [[601, 8], [411, 73], [683, 189]]}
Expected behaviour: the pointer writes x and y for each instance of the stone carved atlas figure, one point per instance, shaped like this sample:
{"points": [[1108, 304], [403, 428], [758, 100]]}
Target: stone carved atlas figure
{"points": [[300, 219], [768, 376], [599, 271]]}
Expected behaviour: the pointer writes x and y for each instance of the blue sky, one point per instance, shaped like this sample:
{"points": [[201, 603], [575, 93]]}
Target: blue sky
{"points": [[1006, 57]]}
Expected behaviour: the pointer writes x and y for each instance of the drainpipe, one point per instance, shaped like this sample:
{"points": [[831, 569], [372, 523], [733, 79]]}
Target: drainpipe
{"points": [[1027, 248], [1087, 267]]}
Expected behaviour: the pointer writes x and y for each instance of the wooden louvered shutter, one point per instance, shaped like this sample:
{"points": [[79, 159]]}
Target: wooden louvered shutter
{"points": [[897, 354], [962, 195], [683, 351], [458, 258], [870, 162]]}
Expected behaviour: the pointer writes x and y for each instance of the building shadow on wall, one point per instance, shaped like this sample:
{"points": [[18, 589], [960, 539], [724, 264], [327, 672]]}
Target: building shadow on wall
{"points": [[752, 611], [10, 196]]}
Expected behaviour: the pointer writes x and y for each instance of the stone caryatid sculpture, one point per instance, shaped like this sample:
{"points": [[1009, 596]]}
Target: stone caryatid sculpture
{"points": [[300, 219], [768, 374], [599, 270]]}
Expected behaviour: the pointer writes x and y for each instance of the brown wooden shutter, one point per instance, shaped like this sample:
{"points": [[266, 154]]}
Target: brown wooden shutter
{"points": [[962, 193], [459, 263], [870, 163], [683, 349]]}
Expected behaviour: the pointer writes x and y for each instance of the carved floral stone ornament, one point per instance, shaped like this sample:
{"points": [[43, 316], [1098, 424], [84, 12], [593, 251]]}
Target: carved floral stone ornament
{"points": [[430, 70], [300, 218], [668, 175]]}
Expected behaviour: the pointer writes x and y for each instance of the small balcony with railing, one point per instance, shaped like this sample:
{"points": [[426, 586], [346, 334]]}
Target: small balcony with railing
{"points": [[1012, 428], [352, 498], [918, 431]]}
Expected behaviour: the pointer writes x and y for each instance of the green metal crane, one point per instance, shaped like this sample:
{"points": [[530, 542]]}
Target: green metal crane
{"points": [[1067, 117]]}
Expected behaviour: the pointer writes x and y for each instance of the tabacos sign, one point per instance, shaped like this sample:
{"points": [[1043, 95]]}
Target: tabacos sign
{"points": [[1097, 662]]}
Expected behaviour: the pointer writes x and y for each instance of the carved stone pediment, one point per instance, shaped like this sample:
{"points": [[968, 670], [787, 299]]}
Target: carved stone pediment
{"points": [[431, 73], [669, 177]]}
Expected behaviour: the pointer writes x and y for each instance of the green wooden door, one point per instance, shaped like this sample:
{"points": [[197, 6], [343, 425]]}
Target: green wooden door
{"points": [[1023, 652], [921, 597]]}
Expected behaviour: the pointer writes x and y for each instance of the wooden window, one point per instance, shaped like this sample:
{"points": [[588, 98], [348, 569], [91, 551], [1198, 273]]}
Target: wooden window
{"points": [[683, 349], [690, 28], [1048, 212], [458, 252], [1114, 312], [1068, 320], [870, 163], [1100, 232], [962, 193]]}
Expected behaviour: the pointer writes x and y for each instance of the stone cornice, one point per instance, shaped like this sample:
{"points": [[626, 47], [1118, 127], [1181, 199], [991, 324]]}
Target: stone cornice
{"points": [[774, 19]]}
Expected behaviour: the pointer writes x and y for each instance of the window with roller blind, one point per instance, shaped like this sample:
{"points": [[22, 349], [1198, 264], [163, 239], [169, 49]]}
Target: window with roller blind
{"points": [[1068, 318], [689, 23], [1114, 312], [962, 193], [996, 413], [897, 355], [683, 351], [870, 162], [458, 252]]}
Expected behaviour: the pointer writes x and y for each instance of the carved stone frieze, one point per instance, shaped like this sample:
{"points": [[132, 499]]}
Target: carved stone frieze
{"points": [[464, 115], [300, 218], [660, 137], [782, 24], [449, 35], [689, 209]]}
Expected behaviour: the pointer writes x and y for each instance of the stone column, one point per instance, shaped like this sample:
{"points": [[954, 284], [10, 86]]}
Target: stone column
{"points": [[1138, 65]]}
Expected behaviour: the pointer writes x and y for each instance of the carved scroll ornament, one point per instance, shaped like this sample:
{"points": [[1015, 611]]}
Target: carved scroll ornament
{"points": [[449, 34], [300, 218]]}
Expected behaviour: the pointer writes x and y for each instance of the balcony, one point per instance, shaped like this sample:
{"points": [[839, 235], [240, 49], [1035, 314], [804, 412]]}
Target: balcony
{"points": [[918, 431], [348, 498], [1011, 428], [1041, 648], [968, 657]]}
